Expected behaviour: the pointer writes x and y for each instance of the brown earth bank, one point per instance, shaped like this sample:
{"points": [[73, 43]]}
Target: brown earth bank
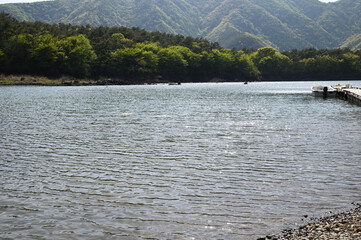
{"points": [[341, 226]]}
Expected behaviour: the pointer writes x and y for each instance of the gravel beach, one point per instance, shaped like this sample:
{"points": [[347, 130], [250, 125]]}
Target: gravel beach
{"points": [[341, 226]]}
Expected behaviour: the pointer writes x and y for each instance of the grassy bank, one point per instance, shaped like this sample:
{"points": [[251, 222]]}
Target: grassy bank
{"points": [[44, 81], [68, 81]]}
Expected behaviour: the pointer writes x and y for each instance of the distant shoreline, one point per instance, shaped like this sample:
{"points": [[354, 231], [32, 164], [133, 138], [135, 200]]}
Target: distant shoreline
{"points": [[26, 80]]}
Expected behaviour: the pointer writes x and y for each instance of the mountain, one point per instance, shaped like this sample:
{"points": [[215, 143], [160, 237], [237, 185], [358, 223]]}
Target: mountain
{"points": [[353, 42], [283, 24]]}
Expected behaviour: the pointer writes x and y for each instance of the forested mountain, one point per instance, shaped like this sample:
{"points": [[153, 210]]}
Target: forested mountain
{"points": [[353, 42], [121, 55], [283, 24]]}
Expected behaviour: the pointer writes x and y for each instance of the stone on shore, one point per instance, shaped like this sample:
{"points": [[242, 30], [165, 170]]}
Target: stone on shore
{"points": [[342, 226]]}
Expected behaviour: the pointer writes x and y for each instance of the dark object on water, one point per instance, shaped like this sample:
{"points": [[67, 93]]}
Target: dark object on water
{"points": [[325, 89]]}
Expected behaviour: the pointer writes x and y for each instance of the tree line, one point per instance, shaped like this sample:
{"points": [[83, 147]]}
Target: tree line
{"points": [[133, 54]]}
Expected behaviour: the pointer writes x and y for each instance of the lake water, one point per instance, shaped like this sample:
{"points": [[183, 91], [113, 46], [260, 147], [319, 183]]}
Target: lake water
{"points": [[195, 161]]}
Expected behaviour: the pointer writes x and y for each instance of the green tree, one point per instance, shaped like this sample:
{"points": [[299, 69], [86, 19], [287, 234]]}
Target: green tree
{"points": [[193, 60], [20, 52], [271, 63], [327, 64], [134, 62], [149, 46], [117, 41], [196, 48], [7, 27], [2, 60], [308, 66], [172, 64], [45, 54], [246, 69], [220, 62], [352, 62], [76, 55]]}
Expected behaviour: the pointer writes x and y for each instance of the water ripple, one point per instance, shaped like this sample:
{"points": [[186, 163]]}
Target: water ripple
{"points": [[196, 161]]}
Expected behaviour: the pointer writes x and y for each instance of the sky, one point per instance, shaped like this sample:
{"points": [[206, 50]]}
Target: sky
{"points": [[22, 1], [18, 1]]}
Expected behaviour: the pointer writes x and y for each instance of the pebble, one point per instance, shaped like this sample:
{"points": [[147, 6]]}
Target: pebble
{"points": [[343, 226]]}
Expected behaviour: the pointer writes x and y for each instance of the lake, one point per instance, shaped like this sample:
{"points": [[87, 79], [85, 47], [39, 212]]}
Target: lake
{"points": [[195, 161]]}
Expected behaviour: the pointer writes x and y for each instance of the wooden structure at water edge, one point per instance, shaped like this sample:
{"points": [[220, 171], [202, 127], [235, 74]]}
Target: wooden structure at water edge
{"points": [[352, 95]]}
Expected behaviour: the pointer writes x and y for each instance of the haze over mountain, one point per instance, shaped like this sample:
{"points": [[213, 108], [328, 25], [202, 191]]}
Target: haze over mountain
{"points": [[283, 24]]}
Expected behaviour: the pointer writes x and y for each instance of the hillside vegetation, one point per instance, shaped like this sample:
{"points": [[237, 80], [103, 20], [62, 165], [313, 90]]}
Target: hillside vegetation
{"points": [[283, 24], [120, 55], [353, 42]]}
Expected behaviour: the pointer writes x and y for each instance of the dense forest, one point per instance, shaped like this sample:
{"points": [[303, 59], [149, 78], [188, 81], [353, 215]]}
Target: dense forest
{"points": [[282, 24], [116, 55]]}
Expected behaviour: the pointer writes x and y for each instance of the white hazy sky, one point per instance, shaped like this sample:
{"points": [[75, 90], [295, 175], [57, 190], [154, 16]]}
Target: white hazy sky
{"points": [[22, 1], [17, 1]]}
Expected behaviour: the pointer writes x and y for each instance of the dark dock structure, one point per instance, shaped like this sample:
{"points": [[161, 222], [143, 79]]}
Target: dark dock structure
{"points": [[352, 95]]}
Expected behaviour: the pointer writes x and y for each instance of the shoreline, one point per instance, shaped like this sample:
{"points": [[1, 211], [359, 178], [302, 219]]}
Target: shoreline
{"points": [[27, 80], [344, 225]]}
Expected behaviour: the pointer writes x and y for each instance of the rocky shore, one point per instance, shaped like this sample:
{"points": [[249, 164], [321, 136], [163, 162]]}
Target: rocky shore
{"points": [[341, 226]]}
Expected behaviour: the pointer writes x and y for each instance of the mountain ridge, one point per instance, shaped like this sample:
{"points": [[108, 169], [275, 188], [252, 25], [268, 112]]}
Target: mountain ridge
{"points": [[283, 24]]}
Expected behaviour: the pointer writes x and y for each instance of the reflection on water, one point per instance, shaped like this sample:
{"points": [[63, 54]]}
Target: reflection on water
{"points": [[196, 161]]}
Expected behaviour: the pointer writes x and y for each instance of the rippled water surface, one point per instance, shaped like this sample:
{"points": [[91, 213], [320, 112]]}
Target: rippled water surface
{"points": [[196, 161]]}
